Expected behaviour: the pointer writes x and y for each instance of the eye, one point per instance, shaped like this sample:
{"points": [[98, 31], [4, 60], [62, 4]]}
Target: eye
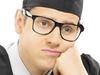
{"points": [[43, 23], [68, 29]]}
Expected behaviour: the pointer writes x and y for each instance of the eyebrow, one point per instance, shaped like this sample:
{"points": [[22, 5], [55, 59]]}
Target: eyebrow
{"points": [[69, 23]]}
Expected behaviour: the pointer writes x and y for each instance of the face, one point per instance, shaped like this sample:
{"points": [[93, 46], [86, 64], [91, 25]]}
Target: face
{"points": [[41, 51]]}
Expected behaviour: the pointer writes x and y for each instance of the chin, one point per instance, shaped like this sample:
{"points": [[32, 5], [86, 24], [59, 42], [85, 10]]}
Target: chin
{"points": [[48, 65]]}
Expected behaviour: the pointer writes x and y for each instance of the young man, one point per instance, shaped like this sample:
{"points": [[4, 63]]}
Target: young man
{"points": [[47, 32]]}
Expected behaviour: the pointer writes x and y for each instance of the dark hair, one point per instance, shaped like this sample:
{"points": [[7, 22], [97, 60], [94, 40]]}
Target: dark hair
{"points": [[71, 6]]}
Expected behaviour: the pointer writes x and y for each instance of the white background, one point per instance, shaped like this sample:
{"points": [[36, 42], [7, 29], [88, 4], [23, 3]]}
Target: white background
{"points": [[89, 41]]}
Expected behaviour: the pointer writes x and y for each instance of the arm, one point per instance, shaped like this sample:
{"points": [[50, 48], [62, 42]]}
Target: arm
{"points": [[90, 64]]}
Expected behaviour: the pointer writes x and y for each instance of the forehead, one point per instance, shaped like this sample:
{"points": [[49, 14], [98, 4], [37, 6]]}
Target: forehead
{"points": [[54, 14]]}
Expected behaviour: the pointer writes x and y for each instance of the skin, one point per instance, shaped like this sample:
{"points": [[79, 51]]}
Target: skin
{"points": [[30, 45]]}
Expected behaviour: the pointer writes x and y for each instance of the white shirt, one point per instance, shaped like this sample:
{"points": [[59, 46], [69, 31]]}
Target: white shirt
{"points": [[17, 65]]}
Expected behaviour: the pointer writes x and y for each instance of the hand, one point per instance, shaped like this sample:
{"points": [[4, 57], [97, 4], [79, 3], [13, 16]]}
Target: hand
{"points": [[69, 63]]}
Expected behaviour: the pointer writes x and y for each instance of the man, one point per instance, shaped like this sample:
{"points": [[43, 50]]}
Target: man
{"points": [[47, 32]]}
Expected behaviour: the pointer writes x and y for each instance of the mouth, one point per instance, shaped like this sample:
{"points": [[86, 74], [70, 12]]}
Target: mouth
{"points": [[52, 52]]}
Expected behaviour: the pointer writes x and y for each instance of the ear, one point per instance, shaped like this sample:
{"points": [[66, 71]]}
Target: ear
{"points": [[19, 21]]}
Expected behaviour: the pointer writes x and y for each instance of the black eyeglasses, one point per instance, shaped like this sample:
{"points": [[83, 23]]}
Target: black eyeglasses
{"points": [[44, 26]]}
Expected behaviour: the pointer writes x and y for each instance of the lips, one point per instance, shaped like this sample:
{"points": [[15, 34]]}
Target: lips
{"points": [[52, 52]]}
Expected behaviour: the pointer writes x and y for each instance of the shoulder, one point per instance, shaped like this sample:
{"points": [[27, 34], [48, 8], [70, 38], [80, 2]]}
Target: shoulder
{"points": [[2, 51], [5, 68], [3, 54], [91, 65]]}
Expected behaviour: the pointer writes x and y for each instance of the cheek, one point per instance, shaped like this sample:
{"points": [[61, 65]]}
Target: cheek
{"points": [[32, 40], [66, 45], [29, 36], [31, 45]]}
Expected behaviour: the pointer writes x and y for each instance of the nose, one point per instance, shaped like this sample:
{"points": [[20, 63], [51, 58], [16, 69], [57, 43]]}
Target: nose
{"points": [[53, 39]]}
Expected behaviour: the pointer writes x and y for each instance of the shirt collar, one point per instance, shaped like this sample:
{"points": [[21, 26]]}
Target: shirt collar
{"points": [[18, 67]]}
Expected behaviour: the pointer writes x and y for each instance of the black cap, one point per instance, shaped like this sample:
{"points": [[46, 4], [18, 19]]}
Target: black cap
{"points": [[71, 6]]}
